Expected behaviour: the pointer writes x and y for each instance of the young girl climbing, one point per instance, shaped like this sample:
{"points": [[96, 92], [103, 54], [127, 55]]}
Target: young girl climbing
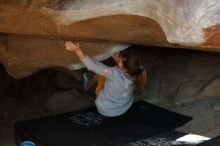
{"points": [[122, 82], [99, 79]]}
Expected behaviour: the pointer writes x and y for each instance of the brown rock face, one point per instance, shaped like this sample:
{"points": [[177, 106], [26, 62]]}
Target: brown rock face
{"points": [[212, 35], [118, 28], [23, 21], [37, 29], [28, 54]]}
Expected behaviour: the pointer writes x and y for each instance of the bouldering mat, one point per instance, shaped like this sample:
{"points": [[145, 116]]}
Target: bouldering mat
{"points": [[88, 128], [162, 139]]}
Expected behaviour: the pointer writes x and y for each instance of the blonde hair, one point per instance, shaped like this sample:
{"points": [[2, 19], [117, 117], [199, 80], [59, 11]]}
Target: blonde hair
{"points": [[135, 67]]}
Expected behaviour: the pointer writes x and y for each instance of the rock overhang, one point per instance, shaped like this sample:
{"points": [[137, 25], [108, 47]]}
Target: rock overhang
{"points": [[34, 27]]}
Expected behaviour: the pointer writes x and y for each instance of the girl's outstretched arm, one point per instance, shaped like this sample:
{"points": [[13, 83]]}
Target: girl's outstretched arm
{"points": [[96, 67], [75, 48]]}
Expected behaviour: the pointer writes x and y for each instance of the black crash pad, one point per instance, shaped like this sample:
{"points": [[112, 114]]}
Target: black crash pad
{"points": [[88, 128], [162, 139]]}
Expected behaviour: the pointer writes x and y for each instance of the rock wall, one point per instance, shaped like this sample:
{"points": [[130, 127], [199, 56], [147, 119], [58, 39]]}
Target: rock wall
{"points": [[183, 24], [186, 82], [26, 55]]}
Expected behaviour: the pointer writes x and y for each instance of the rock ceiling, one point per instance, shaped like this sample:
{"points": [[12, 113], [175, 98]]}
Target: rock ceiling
{"points": [[33, 32]]}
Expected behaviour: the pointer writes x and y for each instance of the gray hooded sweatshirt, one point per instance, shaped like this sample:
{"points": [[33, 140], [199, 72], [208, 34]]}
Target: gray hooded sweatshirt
{"points": [[116, 97]]}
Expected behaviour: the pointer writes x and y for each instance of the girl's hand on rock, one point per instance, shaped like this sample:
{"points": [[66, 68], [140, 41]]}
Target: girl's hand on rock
{"points": [[71, 46]]}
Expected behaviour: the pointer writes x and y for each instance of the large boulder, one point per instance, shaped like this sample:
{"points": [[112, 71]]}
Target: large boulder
{"points": [[69, 100], [183, 22], [27, 55], [211, 90], [37, 29], [205, 114]]}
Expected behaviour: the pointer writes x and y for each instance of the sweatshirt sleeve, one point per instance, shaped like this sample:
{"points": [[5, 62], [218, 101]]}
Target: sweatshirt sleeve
{"points": [[98, 67]]}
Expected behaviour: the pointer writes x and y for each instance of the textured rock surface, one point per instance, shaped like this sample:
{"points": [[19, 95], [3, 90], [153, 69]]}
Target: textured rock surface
{"points": [[172, 23], [69, 101], [27, 55], [205, 116], [183, 24], [186, 82], [211, 90]]}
